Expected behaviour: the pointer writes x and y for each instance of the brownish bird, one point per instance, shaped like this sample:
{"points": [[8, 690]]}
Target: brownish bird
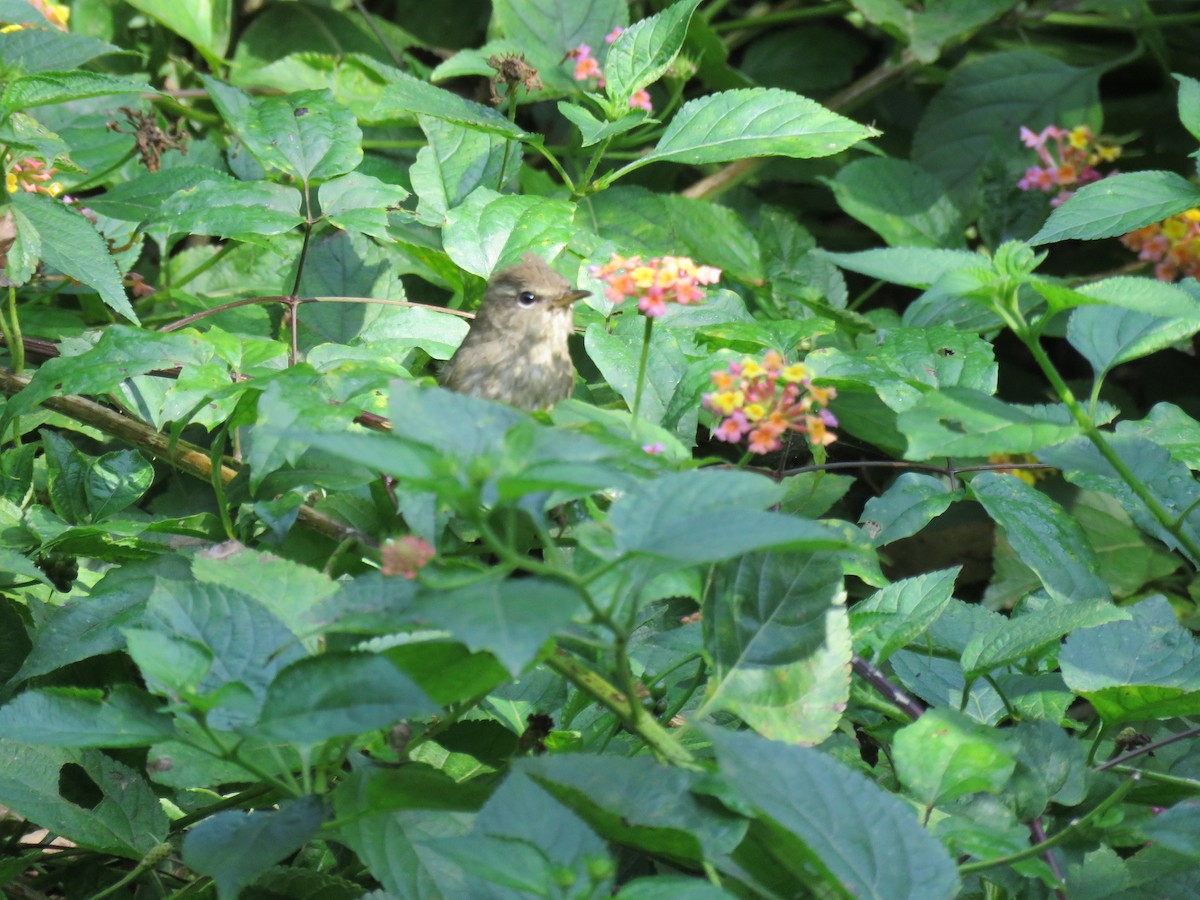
{"points": [[516, 351]]}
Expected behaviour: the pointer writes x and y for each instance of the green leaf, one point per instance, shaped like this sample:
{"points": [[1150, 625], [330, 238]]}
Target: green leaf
{"points": [[1147, 668], [747, 123], [306, 134], [1177, 828], [338, 695], [977, 115], [1109, 336], [1169, 482], [227, 208], [944, 756], [66, 471], [1189, 103], [901, 202], [68, 717], [406, 97], [235, 847], [917, 267], [60, 87], [961, 422], [911, 502], [933, 25], [1046, 539], [860, 839], [617, 353], [205, 24], [638, 802], [115, 481], [644, 51], [454, 162], [711, 515], [127, 821], [361, 203], [778, 639], [1117, 205], [1030, 633], [489, 230], [511, 619], [140, 199], [593, 130], [1171, 428], [897, 615], [544, 30], [33, 50], [71, 244]]}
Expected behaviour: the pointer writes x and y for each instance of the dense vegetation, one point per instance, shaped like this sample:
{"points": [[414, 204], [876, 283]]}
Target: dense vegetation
{"points": [[861, 563]]}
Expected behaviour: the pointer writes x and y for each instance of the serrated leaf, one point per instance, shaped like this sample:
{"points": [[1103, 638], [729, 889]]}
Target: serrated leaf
{"points": [[751, 122], [1117, 205], [128, 820], [71, 244], [645, 50], [406, 97], [338, 695], [1046, 539], [944, 756], [115, 481], [1169, 482], [236, 847], [961, 422], [45, 88], [593, 130], [490, 230], [140, 199], [1145, 668], [306, 134], [225, 207], [862, 840], [1026, 635], [1170, 427], [918, 267], [1109, 336], [1189, 103], [913, 501], [511, 619], [66, 717], [895, 616], [33, 50], [778, 639], [454, 162], [360, 202], [901, 202]]}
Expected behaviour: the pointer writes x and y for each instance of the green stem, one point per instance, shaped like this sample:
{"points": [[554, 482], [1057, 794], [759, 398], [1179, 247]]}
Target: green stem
{"points": [[597, 155], [10, 327], [1143, 493], [599, 689], [641, 377], [554, 164], [1038, 849], [787, 17]]}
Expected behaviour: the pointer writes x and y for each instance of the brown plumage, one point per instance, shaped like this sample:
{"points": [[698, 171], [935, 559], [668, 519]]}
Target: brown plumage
{"points": [[516, 351]]}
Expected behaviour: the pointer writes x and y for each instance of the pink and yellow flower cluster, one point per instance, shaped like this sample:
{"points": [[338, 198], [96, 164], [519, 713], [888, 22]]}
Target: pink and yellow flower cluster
{"points": [[57, 14], [763, 400], [1173, 245], [1070, 163], [406, 556], [655, 282], [31, 175], [588, 67]]}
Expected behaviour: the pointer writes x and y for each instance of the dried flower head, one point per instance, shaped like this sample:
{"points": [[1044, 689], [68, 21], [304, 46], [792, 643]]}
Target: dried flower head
{"points": [[514, 71], [655, 282], [406, 556], [760, 401]]}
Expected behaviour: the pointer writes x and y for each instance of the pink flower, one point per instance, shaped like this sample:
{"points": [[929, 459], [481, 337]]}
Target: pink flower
{"points": [[654, 449], [613, 35], [641, 100], [654, 283]]}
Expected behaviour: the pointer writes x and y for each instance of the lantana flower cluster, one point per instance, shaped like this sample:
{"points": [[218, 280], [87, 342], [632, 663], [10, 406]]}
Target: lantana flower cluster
{"points": [[655, 282], [761, 401], [1173, 245], [57, 14], [31, 175], [406, 556], [587, 68], [1069, 159]]}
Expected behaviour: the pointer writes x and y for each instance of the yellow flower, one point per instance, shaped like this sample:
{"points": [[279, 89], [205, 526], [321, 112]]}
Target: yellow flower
{"points": [[9, 29], [755, 411], [795, 372], [751, 368], [727, 401], [1080, 137], [10, 182]]}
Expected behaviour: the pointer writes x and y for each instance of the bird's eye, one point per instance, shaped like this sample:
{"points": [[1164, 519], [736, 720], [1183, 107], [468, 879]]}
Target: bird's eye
{"points": [[526, 299]]}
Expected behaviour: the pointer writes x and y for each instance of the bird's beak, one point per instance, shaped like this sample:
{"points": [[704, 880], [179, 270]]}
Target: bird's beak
{"points": [[570, 297]]}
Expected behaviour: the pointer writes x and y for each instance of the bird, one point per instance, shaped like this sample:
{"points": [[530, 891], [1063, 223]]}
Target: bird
{"points": [[516, 351]]}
